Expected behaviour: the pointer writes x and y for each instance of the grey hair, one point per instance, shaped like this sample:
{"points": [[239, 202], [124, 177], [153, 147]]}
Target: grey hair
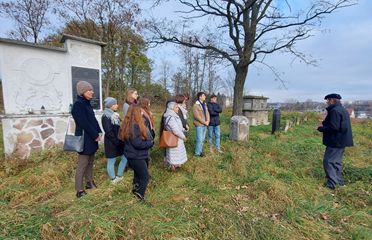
{"points": [[171, 105]]}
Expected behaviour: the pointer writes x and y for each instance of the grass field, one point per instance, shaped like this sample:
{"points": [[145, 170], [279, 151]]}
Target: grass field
{"points": [[270, 187]]}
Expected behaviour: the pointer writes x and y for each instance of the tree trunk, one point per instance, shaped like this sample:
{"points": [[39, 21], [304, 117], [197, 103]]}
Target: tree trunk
{"points": [[241, 74]]}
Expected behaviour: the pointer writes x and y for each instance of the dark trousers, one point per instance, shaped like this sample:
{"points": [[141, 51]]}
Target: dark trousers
{"points": [[84, 168], [141, 176], [332, 164]]}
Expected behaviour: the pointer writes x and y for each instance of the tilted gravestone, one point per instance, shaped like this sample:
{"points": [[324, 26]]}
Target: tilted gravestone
{"points": [[287, 125], [276, 121], [239, 128]]}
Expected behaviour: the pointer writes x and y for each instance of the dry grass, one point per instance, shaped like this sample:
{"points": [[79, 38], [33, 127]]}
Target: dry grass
{"points": [[270, 187]]}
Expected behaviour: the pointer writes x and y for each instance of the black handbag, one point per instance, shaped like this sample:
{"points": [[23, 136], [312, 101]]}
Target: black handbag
{"points": [[73, 143]]}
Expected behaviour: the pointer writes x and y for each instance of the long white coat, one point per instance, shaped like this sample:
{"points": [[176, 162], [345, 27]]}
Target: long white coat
{"points": [[176, 155]]}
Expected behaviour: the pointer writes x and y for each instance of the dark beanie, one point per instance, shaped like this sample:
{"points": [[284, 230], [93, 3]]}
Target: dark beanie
{"points": [[109, 101], [83, 87]]}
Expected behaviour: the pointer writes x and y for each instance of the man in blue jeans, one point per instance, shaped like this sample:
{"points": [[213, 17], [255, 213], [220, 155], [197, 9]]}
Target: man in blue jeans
{"points": [[201, 121], [214, 125]]}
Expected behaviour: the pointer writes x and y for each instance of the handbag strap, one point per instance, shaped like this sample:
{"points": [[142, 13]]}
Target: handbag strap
{"points": [[68, 126], [167, 123]]}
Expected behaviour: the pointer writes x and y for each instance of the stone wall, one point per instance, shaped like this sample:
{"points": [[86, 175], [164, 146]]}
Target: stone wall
{"points": [[32, 133]]}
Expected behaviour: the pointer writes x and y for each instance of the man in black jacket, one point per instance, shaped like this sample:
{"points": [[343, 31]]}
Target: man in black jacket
{"points": [[214, 110], [337, 135]]}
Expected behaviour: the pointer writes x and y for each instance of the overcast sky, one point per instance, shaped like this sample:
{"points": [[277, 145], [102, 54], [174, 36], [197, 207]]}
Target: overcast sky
{"points": [[345, 54]]}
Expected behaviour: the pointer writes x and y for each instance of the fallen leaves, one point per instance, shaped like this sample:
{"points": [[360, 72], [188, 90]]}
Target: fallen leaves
{"points": [[202, 225]]}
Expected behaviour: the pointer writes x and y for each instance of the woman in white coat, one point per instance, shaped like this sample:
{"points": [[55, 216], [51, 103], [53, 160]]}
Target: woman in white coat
{"points": [[176, 156]]}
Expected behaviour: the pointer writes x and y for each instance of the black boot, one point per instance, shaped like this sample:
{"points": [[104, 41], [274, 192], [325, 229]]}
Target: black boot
{"points": [[91, 185], [79, 194]]}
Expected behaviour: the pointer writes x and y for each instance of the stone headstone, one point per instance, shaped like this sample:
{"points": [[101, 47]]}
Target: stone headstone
{"points": [[239, 128], [298, 120], [305, 119], [276, 121], [286, 125]]}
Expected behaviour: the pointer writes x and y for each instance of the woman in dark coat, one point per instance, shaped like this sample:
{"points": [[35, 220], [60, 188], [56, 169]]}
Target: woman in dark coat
{"points": [[136, 149], [144, 102], [86, 121], [114, 147]]}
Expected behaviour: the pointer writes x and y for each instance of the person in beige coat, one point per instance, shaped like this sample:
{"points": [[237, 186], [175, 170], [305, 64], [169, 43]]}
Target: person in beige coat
{"points": [[201, 121]]}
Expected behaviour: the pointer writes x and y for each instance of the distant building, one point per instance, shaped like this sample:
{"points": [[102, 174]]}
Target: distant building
{"points": [[351, 112], [274, 105]]}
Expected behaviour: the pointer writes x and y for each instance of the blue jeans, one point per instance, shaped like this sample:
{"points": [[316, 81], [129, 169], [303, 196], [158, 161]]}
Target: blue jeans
{"points": [[200, 137], [216, 131], [111, 163]]}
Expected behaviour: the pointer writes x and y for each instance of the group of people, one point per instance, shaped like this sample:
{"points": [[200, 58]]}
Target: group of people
{"points": [[131, 139]]}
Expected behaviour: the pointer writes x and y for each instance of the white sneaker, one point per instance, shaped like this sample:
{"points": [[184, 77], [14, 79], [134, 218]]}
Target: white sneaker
{"points": [[116, 180], [219, 150], [211, 149]]}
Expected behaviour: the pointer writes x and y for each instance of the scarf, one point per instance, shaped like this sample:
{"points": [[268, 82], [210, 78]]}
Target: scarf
{"points": [[184, 110], [203, 106], [113, 116], [130, 103], [146, 115]]}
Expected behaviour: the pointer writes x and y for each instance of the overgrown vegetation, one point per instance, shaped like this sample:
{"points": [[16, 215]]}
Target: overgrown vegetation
{"points": [[270, 187]]}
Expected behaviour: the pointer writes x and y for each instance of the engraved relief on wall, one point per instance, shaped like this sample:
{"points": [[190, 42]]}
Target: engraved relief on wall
{"points": [[35, 86]]}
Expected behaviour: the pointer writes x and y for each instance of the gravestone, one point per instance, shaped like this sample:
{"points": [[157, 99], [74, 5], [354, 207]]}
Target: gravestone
{"points": [[305, 119], [239, 128], [294, 121], [298, 120], [39, 84], [287, 125], [276, 121]]}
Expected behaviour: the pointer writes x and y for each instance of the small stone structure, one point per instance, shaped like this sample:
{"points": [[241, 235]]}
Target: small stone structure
{"points": [[35, 75], [255, 109], [239, 128]]}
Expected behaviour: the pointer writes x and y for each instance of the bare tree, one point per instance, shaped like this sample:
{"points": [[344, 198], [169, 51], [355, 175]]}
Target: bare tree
{"points": [[29, 16], [166, 71], [291, 104], [247, 31]]}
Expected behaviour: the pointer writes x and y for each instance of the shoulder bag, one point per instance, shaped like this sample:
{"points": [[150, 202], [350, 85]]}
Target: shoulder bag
{"points": [[168, 139], [73, 143]]}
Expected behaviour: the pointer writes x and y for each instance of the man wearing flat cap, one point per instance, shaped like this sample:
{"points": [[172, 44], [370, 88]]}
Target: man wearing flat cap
{"points": [[337, 135]]}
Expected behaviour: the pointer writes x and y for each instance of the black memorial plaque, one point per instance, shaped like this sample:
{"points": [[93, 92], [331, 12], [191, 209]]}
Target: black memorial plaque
{"points": [[92, 77], [276, 121]]}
